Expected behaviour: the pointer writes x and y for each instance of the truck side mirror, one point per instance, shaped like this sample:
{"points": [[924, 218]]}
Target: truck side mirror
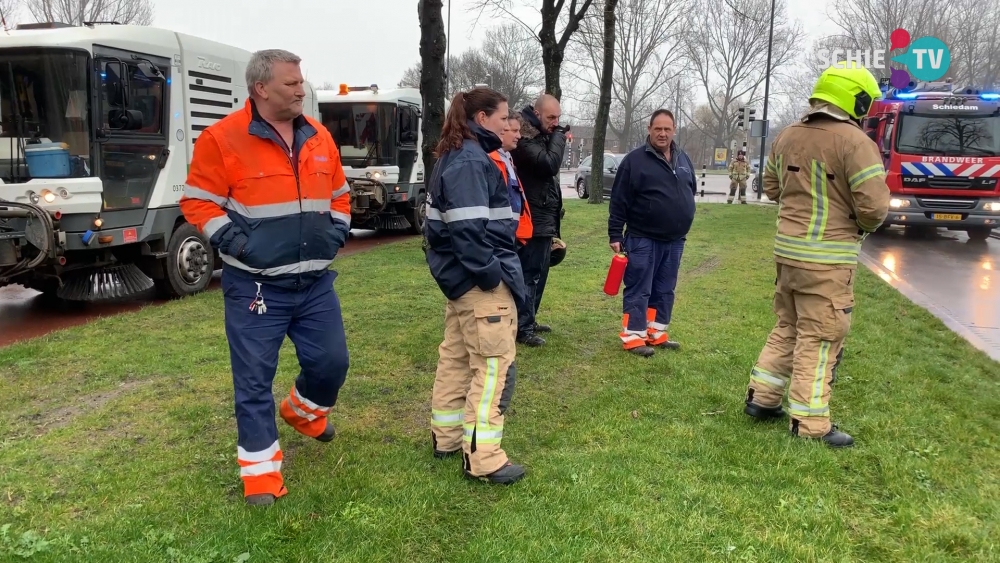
{"points": [[872, 122], [115, 86]]}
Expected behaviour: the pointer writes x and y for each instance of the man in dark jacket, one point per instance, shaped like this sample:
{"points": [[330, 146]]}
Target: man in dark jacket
{"points": [[653, 194], [537, 158]]}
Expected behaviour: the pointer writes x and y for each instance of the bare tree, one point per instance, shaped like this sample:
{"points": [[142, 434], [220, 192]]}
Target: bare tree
{"points": [[10, 11], [411, 77], [432, 55], [508, 62], [649, 56], [77, 12], [604, 105], [553, 43], [727, 45]]}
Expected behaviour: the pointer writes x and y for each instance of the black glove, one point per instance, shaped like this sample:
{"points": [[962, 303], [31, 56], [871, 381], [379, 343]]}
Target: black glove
{"points": [[562, 129]]}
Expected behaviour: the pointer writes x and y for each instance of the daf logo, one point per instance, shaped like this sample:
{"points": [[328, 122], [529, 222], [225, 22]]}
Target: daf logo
{"points": [[207, 64]]}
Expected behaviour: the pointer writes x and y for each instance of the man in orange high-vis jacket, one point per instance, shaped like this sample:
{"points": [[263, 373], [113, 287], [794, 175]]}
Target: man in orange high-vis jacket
{"points": [[266, 186]]}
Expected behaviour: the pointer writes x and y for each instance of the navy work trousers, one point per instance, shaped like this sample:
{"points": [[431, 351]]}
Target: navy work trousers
{"points": [[311, 318], [535, 257], [650, 279]]}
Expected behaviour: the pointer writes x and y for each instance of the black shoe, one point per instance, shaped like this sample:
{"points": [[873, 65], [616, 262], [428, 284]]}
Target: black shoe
{"points": [[670, 345], [764, 413], [506, 475], [644, 351], [263, 499], [837, 439], [541, 328], [327, 434], [444, 455], [530, 339]]}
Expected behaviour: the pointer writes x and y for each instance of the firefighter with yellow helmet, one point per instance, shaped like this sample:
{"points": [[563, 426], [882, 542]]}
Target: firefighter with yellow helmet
{"points": [[739, 171], [828, 179]]}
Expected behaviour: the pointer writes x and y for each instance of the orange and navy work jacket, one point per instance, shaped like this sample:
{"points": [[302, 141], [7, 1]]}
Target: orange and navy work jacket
{"points": [[275, 213], [524, 226]]}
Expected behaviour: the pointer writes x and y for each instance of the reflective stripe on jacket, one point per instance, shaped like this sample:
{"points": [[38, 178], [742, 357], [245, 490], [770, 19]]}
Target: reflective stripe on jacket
{"points": [[470, 226], [269, 220], [828, 179], [524, 226]]}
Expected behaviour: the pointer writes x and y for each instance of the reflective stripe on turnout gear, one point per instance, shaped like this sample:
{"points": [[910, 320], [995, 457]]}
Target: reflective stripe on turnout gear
{"points": [[821, 252]]}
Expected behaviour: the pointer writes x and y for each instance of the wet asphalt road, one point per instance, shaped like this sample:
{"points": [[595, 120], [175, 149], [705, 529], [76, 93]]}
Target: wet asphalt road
{"points": [[24, 314], [954, 278]]}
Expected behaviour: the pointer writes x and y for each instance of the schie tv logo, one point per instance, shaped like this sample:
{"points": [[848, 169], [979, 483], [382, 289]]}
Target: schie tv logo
{"points": [[927, 58]]}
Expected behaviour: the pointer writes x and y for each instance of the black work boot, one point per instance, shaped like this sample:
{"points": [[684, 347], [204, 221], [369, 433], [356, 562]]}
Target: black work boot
{"points": [[644, 351], [670, 345], [837, 439], [506, 475], [834, 438], [530, 339], [541, 328], [764, 413], [263, 499], [760, 412], [440, 454], [327, 434]]}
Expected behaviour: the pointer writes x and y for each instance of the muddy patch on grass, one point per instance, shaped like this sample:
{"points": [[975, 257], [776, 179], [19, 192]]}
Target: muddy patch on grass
{"points": [[60, 417], [708, 265]]}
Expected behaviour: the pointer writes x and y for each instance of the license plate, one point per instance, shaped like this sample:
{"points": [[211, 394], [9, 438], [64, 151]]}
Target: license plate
{"points": [[947, 216]]}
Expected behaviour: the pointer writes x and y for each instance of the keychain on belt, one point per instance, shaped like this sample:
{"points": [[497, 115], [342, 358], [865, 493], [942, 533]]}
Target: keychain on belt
{"points": [[258, 302]]}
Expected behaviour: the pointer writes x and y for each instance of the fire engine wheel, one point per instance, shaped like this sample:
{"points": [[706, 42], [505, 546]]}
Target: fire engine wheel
{"points": [[419, 214], [979, 233], [188, 265]]}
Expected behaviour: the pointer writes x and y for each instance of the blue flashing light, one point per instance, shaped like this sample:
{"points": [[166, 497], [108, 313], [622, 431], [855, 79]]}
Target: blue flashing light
{"points": [[906, 95], [990, 96], [88, 237]]}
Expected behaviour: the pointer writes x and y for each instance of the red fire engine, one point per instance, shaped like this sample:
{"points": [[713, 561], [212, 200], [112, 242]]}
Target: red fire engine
{"points": [[941, 148]]}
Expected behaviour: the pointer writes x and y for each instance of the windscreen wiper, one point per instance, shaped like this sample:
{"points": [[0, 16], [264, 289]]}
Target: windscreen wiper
{"points": [[982, 151], [921, 148]]}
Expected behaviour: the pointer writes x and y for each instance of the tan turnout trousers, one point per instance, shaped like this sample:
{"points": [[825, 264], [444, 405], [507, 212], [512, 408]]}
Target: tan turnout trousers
{"points": [[814, 308], [478, 350]]}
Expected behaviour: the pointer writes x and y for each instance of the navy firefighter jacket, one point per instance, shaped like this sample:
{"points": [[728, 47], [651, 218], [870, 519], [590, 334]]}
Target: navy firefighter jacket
{"points": [[470, 225]]}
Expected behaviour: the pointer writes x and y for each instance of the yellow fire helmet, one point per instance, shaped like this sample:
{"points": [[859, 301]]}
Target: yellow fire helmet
{"points": [[849, 86]]}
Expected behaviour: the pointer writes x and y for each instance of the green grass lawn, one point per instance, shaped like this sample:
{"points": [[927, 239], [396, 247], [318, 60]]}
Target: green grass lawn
{"points": [[118, 441]]}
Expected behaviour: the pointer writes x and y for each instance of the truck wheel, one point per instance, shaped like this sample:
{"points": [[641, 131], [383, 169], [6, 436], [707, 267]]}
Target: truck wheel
{"points": [[979, 233], [188, 265], [419, 215]]}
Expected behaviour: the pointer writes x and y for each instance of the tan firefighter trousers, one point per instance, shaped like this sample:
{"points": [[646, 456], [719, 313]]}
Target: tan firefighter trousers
{"points": [[475, 361], [814, 316]]}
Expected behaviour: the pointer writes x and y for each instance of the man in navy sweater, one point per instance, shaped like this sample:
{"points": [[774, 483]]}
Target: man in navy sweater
{"points": [[653, 195]]}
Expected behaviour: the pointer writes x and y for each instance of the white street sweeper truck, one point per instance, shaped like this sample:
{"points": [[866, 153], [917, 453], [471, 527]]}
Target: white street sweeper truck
{"points": [[97, 127]]}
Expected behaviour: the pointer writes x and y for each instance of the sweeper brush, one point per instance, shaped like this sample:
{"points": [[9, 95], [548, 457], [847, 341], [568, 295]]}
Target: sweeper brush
{"points": [[110, 282]]}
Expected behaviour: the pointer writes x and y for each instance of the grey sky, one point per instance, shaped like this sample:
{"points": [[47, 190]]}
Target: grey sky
{"points": [[359, 42]]}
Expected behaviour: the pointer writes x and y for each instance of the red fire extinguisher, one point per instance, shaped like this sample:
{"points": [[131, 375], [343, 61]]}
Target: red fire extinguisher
{"points": [[616, 273]]}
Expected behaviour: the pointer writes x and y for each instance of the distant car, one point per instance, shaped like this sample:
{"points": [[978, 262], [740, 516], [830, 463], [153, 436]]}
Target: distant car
{"points": [[582, 180]]}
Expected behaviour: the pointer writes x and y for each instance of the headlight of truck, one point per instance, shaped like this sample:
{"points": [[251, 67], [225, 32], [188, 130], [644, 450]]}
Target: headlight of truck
{"points": [[897, 203], [992, 206]]}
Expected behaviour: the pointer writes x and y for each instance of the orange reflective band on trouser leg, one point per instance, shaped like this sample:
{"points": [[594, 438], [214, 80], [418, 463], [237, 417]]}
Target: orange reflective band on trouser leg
{"points": [[631, 338], [656, 332], [261, 471], [303, 415]]}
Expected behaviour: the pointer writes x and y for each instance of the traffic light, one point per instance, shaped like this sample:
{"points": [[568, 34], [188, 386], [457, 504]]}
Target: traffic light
{"points": [[741, 120], [751, 116]]}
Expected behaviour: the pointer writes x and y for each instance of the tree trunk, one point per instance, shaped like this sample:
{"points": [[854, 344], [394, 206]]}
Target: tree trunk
{"points": [[552, 57], [603, 105], [432, 79]]}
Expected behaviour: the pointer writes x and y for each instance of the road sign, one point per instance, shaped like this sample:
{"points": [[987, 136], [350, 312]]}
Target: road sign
{"points": [[758, 128]]}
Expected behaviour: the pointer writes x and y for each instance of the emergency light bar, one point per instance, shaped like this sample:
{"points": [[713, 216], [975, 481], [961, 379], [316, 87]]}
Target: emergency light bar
{"points": [[344, 89], [992, 97]]}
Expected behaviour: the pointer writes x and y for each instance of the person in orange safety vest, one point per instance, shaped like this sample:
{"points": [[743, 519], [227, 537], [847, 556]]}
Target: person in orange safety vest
{"points": [[518, 201], [267, 188]]}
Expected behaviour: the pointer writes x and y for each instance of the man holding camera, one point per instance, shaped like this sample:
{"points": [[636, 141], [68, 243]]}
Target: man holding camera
{"points": [[538, 157]]}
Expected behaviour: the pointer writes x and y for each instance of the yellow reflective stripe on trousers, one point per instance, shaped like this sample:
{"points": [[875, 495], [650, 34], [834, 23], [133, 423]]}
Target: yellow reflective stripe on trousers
{"points": [[447, 418], [489, 390], [820, 252], [819, 377], [820, 201], [761, 375], [864, 175], [492, 436]]}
